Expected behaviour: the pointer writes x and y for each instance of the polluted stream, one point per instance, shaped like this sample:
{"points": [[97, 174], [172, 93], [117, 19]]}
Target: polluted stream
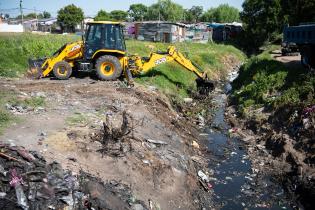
{"points": [[236, 185]]}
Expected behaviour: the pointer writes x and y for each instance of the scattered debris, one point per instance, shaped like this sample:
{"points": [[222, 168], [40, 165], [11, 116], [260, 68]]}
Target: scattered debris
{"points": [[157, 142], [35, 185], [195, 145], [188, 100], [204, 180]]}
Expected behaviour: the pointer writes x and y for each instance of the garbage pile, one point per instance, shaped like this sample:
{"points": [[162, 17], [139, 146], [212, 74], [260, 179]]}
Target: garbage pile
{"points": [[28, 182]]}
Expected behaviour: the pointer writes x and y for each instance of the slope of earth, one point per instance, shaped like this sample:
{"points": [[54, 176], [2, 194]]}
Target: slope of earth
{"points": [[272, 108], [149, 148]]}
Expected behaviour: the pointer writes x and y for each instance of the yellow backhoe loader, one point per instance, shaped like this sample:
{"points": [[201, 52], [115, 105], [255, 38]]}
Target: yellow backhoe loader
{"points": [[104, 51]]}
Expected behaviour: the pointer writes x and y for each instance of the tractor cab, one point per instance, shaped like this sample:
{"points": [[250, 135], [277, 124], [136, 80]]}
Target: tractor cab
{"points": [[103, 36]]}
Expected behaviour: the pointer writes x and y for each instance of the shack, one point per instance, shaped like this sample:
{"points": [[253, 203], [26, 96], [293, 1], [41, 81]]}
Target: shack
{"points": [[225, 31], [48, 25], [158, 31], [198, 32]]}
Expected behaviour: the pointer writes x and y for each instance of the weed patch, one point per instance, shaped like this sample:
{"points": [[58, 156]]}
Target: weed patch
{"points": [[264, 82], [77, 119]]}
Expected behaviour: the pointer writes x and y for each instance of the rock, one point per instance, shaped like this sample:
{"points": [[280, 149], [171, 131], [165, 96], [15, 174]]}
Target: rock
{"points": [[195, 145], [188, 100], [201, 121], [42, 133], [146, 162], [38, 94], [39, 109], [158, 142], [2, 194], [306, 123], [152, 88], [137, 207]]}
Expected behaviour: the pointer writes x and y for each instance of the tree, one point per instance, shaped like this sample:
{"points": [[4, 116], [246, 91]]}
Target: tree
{"points": [[7, 16], [137, 11], [118, 15], [102, 15], [46, 14], [69, 16], [261, 21], [30, 16], [298, 11], [222, 14], [208, 16], [165, 10], [193, 14]]}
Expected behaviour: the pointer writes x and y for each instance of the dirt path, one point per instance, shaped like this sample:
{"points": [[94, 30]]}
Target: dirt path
{"points": [[69, 131], [292, 60]]}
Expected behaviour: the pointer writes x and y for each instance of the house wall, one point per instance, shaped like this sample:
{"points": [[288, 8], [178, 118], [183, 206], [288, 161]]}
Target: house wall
{"points": [[159, 32], [4, 27], [197, 33]]}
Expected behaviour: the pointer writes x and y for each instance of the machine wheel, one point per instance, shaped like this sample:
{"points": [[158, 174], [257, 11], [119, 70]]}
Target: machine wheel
{"points": [[62, 70], [108, 68]]}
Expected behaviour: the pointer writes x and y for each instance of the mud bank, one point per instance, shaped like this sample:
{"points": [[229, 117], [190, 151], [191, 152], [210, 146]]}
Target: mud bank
{"points": [[111, 132], [284, 149]]}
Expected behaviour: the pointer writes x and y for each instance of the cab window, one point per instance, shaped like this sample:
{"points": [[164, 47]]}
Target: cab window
{"points": [[94, 33]]}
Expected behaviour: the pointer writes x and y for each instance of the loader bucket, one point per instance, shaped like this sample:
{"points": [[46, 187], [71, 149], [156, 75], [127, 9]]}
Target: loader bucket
{"points": [[204, 86], [35, 68]]}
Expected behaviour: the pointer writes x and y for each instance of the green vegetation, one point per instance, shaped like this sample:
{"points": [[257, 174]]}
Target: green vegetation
{"points": [[77, 119], [115, 15], [222, 14], [263, 20], [175, 81], [137, 12], [5, 117], [32, 102], [16, 49], [102, 15], [69, 17], [265, 82], [170, 78]]}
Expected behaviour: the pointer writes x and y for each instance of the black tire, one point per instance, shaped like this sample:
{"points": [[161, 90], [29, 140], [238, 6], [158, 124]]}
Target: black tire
{"points": [[62, 70], [108, 68]]}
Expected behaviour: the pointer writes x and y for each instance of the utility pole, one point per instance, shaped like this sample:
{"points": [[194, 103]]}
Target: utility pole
{"points": [[36, 18], [21, 10]]}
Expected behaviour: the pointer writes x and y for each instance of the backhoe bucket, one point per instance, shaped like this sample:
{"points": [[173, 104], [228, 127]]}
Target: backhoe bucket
{"points": [[204, 86], [35, 68]]}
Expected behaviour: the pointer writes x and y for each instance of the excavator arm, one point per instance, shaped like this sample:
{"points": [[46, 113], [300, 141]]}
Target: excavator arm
{"points": [[143, 65]]}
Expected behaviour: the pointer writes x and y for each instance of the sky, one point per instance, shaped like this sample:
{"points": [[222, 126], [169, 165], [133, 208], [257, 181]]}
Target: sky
{"points": [[91, 7]]}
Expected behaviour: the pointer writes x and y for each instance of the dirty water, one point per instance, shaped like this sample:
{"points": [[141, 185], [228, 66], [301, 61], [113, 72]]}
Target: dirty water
{"points": [[235, 184]]}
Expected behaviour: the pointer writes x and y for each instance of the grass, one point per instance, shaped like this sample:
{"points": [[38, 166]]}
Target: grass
{"points": [[265, 82], [77, 119], [175, 81], [32, 102], [5, 117], [170, 78], [16, 49], [11, 98]]}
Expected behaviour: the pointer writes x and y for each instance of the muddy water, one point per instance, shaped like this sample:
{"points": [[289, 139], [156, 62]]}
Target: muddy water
{"points": [[235, 184]]}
